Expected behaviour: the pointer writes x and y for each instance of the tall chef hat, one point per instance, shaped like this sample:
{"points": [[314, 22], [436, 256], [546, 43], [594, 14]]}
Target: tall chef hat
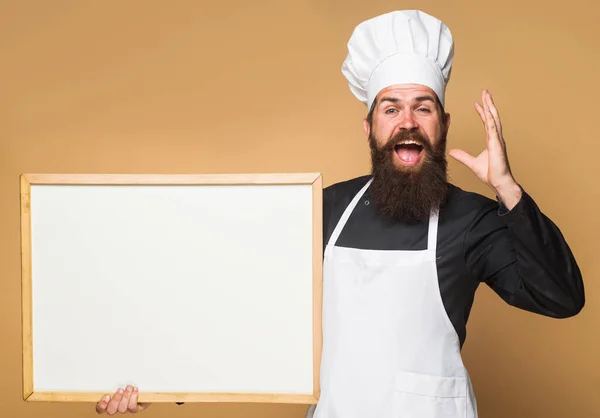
{"points": [[401, 47]]}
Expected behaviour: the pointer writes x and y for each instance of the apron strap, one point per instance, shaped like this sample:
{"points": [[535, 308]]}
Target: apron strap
{"points": [[340, 225], [432, 230]]}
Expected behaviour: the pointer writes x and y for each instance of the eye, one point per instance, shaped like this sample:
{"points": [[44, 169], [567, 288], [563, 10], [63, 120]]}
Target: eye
{"points": [[424, 109], [390, 110]]}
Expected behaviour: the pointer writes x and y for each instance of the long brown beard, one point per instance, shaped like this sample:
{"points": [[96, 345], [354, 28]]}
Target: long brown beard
{"points": [[406, 194]]}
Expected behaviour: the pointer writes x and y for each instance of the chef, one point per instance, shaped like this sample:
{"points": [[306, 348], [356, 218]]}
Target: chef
{"points": [[405, 250]]}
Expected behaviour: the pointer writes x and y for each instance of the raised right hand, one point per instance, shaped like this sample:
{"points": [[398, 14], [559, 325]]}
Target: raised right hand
{"points": [[122, 401]]}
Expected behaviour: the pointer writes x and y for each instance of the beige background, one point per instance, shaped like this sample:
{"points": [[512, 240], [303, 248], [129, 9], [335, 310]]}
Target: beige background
{"points": [[231, 87]]}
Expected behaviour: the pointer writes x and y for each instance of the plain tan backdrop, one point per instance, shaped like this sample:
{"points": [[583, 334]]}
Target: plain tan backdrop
{"points": [[240, 86]]}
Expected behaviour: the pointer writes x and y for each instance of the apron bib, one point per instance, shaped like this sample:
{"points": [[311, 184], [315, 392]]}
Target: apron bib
{"points": [[389, 348]]}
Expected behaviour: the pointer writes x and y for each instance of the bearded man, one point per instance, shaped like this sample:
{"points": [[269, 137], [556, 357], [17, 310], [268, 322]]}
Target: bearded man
{"points": [[405, 250]]}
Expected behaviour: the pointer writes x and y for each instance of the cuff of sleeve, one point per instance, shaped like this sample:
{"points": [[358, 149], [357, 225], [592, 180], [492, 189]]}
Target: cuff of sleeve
{"points": [[502, 210], [516, 212]]}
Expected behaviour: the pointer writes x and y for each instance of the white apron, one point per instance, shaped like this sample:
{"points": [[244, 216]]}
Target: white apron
{"points": [[389, 348]]}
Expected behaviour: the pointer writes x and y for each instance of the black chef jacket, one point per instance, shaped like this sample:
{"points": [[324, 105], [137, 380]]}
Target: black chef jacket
{"points": [[521, 254]]}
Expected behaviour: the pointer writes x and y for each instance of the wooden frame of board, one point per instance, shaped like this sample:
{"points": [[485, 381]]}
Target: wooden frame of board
{"points": [[26, 180]]}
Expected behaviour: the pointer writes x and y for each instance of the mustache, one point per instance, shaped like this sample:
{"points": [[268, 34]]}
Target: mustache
{"points": [[405, 135]]}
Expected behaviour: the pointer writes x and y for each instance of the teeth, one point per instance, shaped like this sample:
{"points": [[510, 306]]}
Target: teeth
{"points": [[409, 141]]}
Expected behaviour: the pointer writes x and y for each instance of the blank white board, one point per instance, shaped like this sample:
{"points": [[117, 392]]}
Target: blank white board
{"points": [[191, 287]]}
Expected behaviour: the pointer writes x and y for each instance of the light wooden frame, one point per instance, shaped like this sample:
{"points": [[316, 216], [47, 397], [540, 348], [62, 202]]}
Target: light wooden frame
{"points": [[26, 180]]}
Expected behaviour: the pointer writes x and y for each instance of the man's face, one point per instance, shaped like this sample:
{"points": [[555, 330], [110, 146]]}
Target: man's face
{"points": [[407, 137], [409, 122]]}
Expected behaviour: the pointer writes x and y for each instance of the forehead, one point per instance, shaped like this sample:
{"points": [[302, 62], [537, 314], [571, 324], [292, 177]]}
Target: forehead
{"points": [[406, 92]]}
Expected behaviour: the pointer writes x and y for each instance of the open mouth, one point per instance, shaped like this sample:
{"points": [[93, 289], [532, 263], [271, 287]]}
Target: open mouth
{"points": [[409, 152]]}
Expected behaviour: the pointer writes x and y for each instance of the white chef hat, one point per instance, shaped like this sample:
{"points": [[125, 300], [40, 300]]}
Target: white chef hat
{"points": [[401, 47]]}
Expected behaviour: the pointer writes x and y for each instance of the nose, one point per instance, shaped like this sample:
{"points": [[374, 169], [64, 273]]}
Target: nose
{"points": [[407, 121]]}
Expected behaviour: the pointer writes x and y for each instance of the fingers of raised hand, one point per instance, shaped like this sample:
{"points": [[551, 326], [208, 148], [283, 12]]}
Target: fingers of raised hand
{"points": [[481, 113], [487, 119], [489, 102], [490, 124]]}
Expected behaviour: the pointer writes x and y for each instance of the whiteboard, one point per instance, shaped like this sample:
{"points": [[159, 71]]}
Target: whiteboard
{"points": [[191, 287]]}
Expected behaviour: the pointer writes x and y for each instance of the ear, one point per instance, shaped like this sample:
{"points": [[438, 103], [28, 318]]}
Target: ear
{"points": [[447, 122], [366, 127]]}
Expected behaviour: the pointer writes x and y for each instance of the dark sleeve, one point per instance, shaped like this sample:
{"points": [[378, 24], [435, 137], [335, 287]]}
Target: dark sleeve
{"points": [[522, 255]]}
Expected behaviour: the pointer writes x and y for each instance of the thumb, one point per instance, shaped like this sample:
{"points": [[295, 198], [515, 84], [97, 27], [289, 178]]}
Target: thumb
{"points": [[463, 157]]}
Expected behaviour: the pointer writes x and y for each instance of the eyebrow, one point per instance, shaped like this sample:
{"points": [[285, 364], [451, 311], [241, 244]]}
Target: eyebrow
{"points": [[425, 99], [417, 99]]}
